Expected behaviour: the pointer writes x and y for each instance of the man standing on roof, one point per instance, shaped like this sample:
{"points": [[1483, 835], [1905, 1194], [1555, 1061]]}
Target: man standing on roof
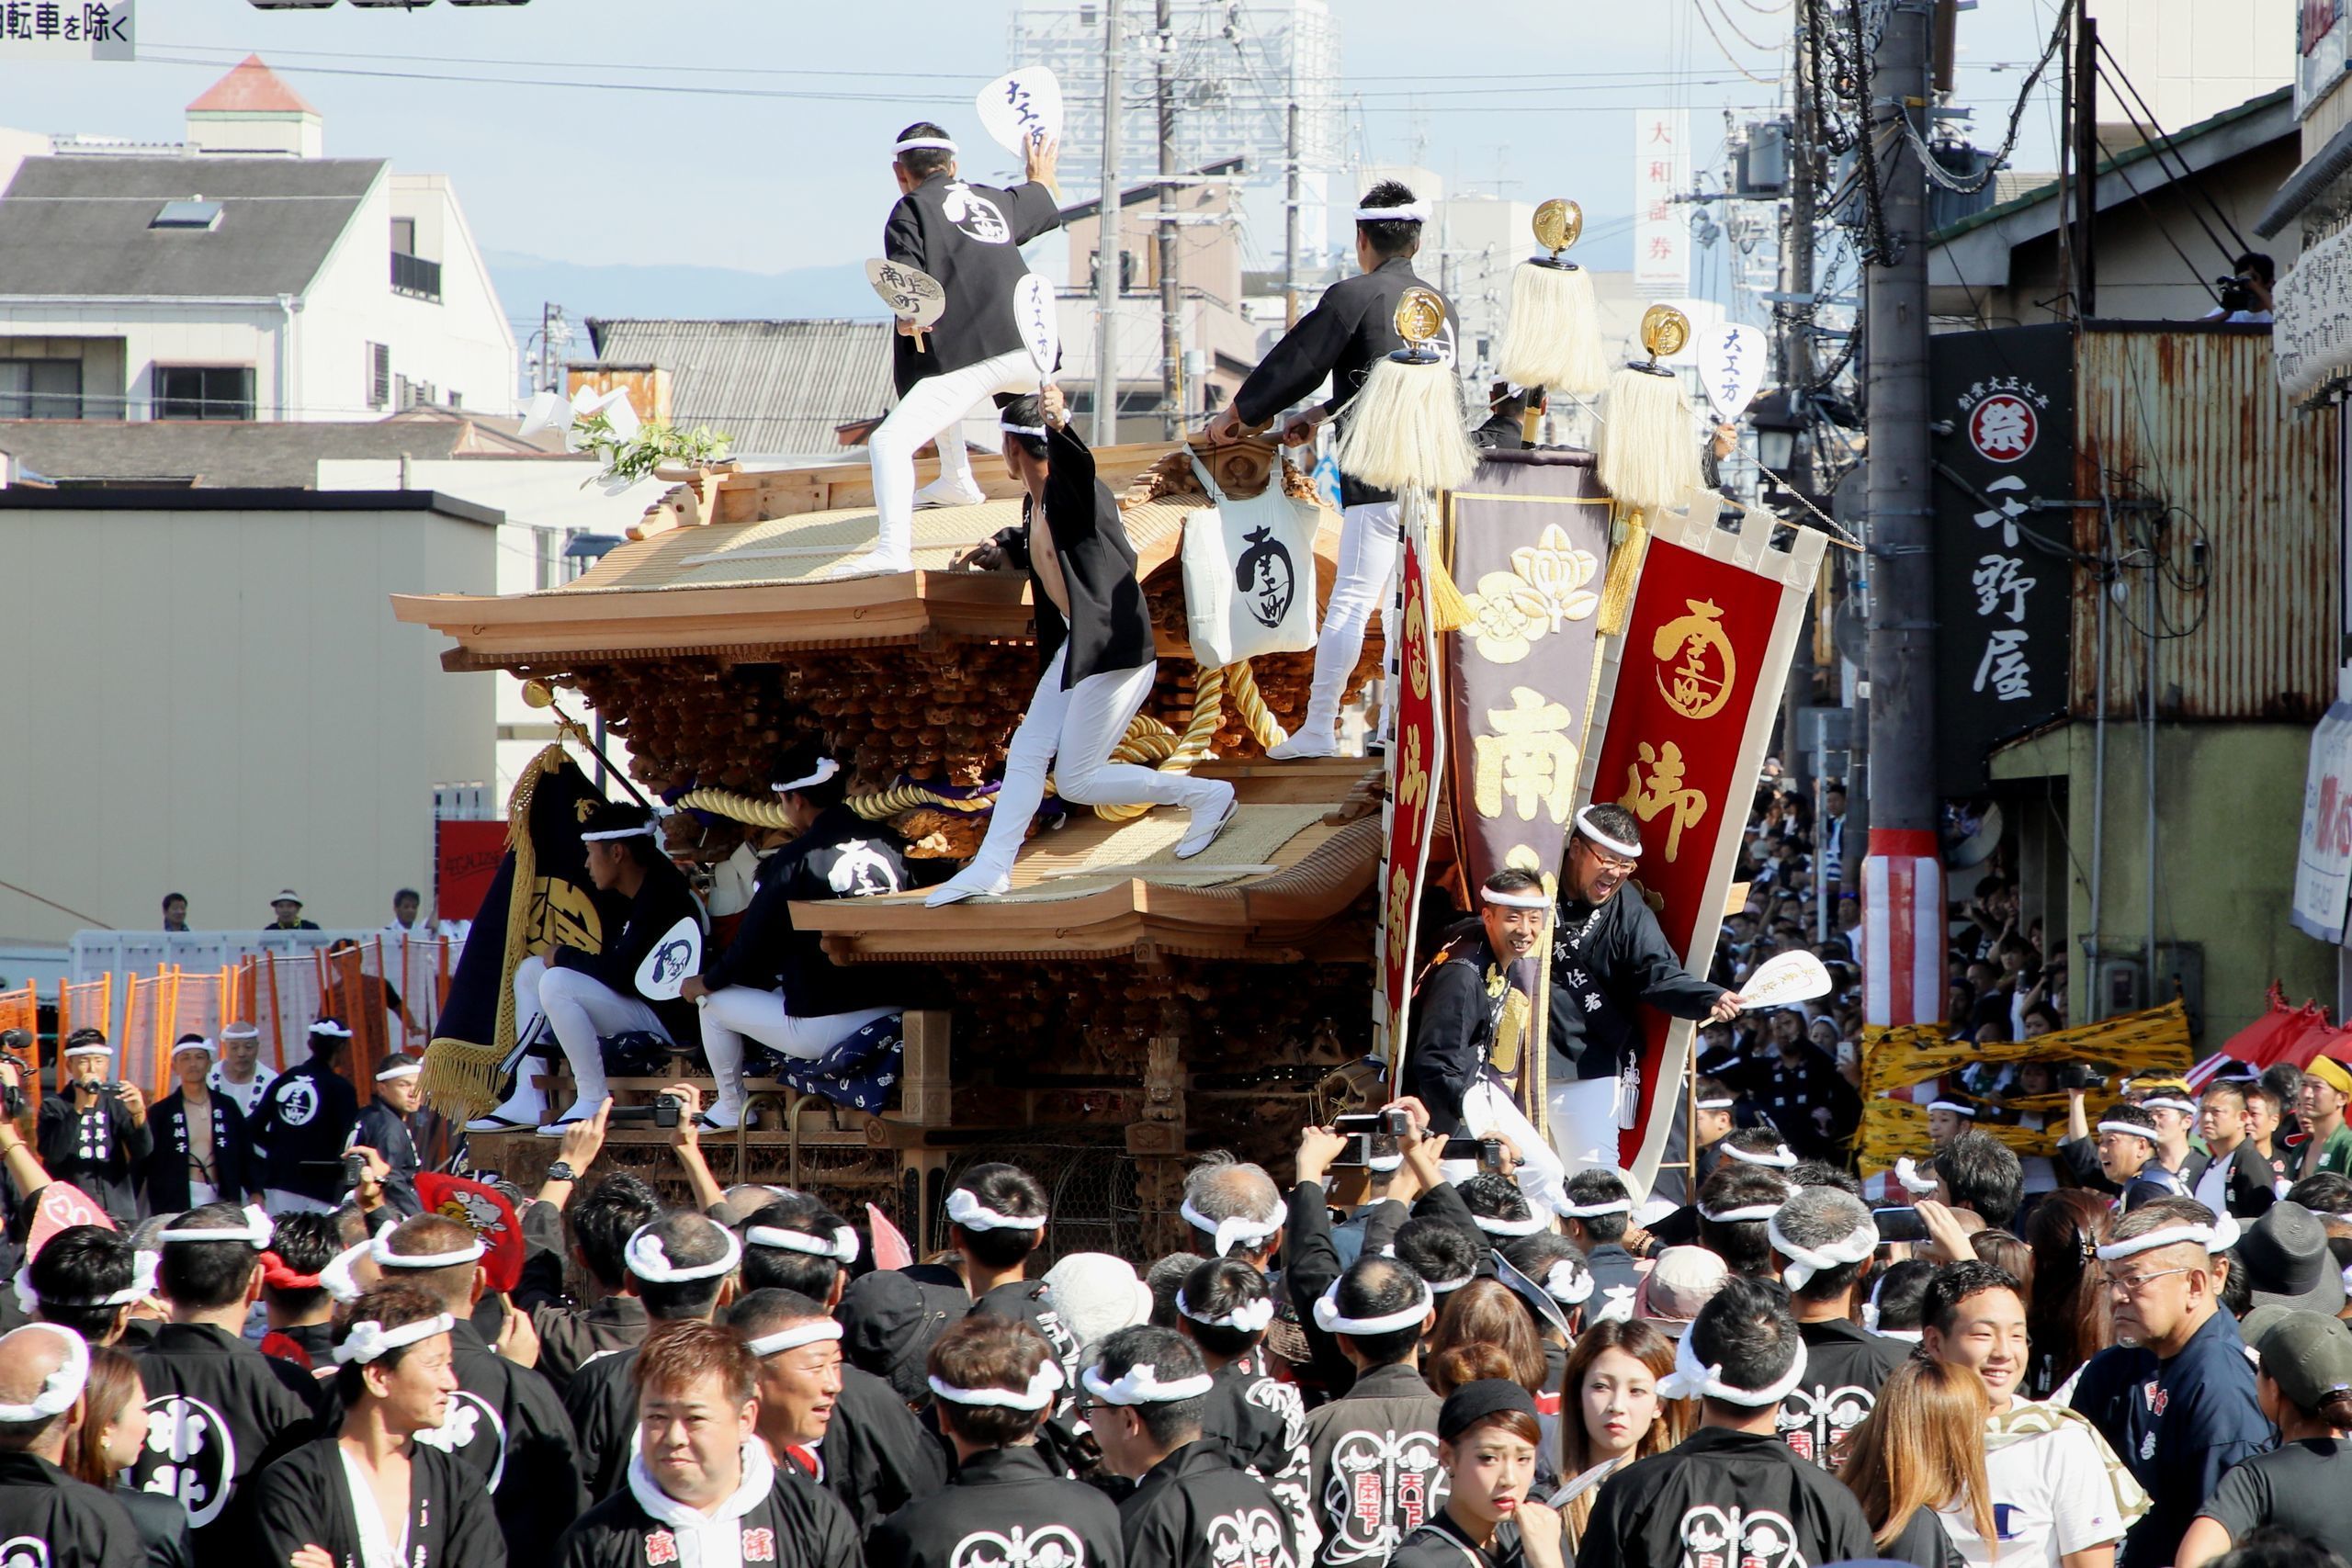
{"points": [[1347, 332], [1094, 637], [967, 238]]}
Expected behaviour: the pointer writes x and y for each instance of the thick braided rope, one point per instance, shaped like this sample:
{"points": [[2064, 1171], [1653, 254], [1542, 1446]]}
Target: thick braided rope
{"points": [[873, 808], [1208, 712], [1241, 685]]}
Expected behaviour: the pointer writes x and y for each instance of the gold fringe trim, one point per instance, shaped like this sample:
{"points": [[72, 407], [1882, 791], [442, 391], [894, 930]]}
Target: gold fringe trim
{"points": [[1624, 571], [1449, 611]]}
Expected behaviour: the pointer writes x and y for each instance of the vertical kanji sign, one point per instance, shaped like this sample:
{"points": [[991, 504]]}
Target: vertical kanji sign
{"points": [[1415, 762], [1661, 228]]}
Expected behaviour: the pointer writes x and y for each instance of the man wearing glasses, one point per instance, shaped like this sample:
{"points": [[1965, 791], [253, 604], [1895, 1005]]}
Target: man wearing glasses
{"points": [[1608, 956], [2174, 1396]]}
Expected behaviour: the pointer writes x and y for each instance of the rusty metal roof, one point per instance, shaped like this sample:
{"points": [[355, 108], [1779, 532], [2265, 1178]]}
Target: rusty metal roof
{"points": [[2193, 418], [778, 387]]}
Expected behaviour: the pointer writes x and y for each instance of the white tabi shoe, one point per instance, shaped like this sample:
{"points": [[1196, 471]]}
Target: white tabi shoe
{"points": [[1303, 744], [723, 1117], [962, 886], [947, 492], [582, 1111], [1208, 821], [873, 563], [521, 1112]]}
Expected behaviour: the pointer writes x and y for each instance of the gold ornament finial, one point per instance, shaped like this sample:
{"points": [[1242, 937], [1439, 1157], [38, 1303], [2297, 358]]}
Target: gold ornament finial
{"points": [[1559, 225], [1664, 332], [538, 694], [1419, 314]]}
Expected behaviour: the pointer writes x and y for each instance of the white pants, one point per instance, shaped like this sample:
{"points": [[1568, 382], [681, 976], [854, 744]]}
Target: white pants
{"points": [[580, 1010], [1584, 1123], [1369, 540], [729, 1015], [1486, 1113], [933, 405], [1073, 732]]}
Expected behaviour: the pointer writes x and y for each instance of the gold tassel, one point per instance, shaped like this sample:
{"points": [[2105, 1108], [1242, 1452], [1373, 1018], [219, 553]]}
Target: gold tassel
{"points": [[1624, 571], [1449, 611], [1510, 1031]]}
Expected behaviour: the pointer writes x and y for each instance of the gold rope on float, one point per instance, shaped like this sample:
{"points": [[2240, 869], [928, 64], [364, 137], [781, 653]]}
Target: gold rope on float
{"points": [[1250, 704], [1208, 712]]}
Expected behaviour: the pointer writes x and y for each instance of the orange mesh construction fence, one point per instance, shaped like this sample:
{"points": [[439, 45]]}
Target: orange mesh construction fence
{"points": [[20, 1008]]}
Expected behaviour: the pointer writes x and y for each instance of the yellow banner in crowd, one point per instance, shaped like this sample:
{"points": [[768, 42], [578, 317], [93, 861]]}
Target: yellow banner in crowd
{"points": [[1895, 1058]]}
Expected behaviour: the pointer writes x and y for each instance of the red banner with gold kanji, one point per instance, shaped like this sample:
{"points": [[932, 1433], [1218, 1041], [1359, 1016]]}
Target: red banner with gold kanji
{"points": [[1704, 656], [1416, 762]]}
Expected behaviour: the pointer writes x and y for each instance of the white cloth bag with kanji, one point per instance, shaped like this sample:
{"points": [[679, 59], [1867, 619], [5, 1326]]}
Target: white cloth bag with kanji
{"points": [[1250, 574]]}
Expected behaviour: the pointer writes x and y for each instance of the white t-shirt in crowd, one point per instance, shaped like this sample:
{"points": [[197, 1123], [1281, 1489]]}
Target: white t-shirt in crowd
{"points": [[2050, 1496]]}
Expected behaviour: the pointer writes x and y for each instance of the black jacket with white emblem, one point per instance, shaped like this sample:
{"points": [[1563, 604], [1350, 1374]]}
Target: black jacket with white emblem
{"points": [[506, 1424], [842, 855], [1006, 1508], [791, 1522], [1260, 1422], [967, 237], [70, 1523], [218, 1411], [1723, 1497], [1376, 1466], [307, 1116], [1196, 1509]]}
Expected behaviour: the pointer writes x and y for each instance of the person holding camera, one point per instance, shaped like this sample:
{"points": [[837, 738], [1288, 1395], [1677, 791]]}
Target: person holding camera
{"points": [[94, 1133], [2244, 294]]}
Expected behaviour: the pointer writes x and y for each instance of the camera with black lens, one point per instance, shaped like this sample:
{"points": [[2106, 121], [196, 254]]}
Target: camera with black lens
{"points": [[2075, 1075], [2237, 294], [665, 1110], [355, 1168]]}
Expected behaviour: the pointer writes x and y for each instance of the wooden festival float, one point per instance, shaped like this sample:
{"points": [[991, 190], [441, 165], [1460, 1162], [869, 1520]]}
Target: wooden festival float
{"points": [[1121, 1010]]}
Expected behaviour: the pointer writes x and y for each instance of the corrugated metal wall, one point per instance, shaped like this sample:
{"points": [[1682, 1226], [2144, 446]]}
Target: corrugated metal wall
{"points": [[2193, 419]]}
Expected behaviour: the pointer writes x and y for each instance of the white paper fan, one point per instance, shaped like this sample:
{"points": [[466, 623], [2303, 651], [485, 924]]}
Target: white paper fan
{"points": [[1795, 976]]}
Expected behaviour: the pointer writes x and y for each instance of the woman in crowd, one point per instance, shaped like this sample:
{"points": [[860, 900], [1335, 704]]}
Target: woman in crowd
{"points": [[1466, 1363], [2303, 1383], [1610, 1414], [2004, 1251], [2069, 1317], [1485, 1441], [1486, 1312], [1920, 1451], [112, 1433]]}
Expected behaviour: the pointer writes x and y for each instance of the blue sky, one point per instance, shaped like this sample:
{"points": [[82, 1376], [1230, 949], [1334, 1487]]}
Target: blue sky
{"points": [[765, 154]]}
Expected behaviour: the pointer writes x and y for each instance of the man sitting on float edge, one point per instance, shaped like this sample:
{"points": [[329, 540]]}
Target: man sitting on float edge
{"points": [[1095, 639]]}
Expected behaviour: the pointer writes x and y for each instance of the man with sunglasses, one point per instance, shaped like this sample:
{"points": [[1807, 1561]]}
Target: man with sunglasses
{"points": [[2175, 1395], [1608, 958]]}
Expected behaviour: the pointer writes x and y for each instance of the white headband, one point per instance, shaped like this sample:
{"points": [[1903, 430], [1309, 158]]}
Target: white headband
{"points": [[399, 1070], [840, 1247], [1782, 1157], [336, 1275], [2219, 1236], [381, 1248], [964, 1208], [1957, 1108], [1140, 1385], [142, 1283], [1039, 1395], [240, 1032], [72, 1051], [644, 833], [255, 1233], [2169, 1103], [645, 1259], [1690, 1380], [1606, 840], [1410, 212], [1739, 1216], [1531, 899], [1249, 1317], [2133, 1128], [330, 1028], [62, 1387], [1593, 1211], [1527, 1227], [1906, 1172], [1716, 1104], [1447, 1287], [206, 1046], [1331, 1320], [1037, 432], [369, 1340], [925, 145], [825, 769], [1234, 1228], [1569, 1283], [1805, 1262], [814, 1331], [1384, 1164]]}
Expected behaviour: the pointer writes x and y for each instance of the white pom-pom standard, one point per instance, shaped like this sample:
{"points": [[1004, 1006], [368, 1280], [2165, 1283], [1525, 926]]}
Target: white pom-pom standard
{"points": [[1406, 427], [1553, 337], [1649, 440]]}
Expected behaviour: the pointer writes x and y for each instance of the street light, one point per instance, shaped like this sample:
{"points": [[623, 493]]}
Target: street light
{"points": [[1777, 424]]}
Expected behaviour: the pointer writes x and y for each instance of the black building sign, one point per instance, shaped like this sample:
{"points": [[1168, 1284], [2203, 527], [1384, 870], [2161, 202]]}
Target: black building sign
{"points": [[2004, 567]]}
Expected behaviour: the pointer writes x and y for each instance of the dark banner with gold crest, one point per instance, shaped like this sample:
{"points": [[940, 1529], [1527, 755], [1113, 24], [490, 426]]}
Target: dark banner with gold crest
{"points": [[541, 896], [1415, 763]]}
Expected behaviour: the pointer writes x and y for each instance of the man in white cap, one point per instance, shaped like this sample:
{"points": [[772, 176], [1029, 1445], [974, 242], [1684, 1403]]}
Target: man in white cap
{"points": [[239, 1073], [1351, 329], [286, 909], [94, 1133], [66, 1523], [967, 238], [1608, 960]]}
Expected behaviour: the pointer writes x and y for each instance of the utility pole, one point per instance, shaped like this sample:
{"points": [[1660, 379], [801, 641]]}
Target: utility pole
{"points": [[1902, 538], [1290, 222], [1171, 333], [1796, 378], [2085, 133], [554, 332], [1110, 244]]}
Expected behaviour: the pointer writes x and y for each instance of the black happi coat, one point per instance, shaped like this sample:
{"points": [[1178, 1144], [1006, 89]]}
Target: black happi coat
{"points": [[76, 1525], [572, 1337], [1723, 1497], [1615, 1277], [1376, 1466], [219, 1410], [389, 1132], [1260, 1422], [1455, 1010], [1109, 628], [1606, 960], [968, 238], [162, 1525], [1031, 1302], [2248, 1189], [602, 1404], [797, 1526], [876, 1457], [842, 855], [663, 900], [1196, 1509], [164, 1172], [1440, 1544], [1006, 1508], [304, 1499], [308, 1345], [97, 1150], [1844, 1369], [506, 1425], [306, 1120], [1791, 1095], [1351, 329]]}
